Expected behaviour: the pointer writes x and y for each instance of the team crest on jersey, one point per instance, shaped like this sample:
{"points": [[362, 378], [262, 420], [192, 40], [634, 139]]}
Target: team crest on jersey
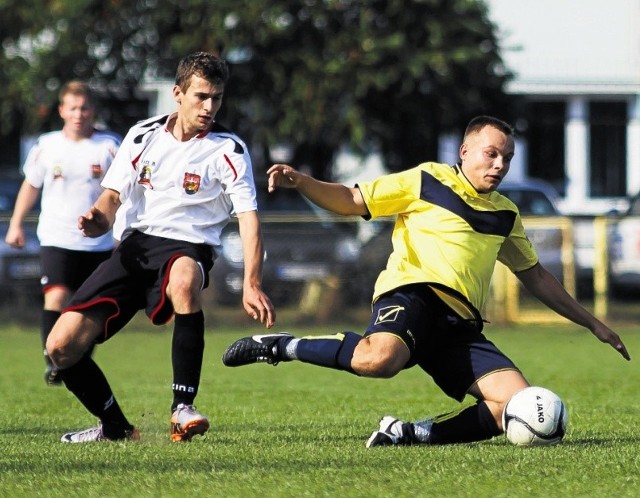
{"points": [[96, 171], [57, 172], [191, 183], [144, 178], [388, 314]]}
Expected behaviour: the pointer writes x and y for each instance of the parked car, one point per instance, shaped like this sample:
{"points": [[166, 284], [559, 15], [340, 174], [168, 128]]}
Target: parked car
{"points": [[538, 198], [19, 268], [624, 248], [302, 243]]}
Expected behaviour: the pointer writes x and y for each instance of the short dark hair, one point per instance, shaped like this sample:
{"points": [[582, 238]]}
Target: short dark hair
{"points": [[479, 122], [203, 64]]}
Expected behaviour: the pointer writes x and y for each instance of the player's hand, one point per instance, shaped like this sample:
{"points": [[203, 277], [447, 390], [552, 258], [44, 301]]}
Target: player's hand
{"points": [[605, 334], [258, 306], [93, 224], [282, 175], [15, 237]]}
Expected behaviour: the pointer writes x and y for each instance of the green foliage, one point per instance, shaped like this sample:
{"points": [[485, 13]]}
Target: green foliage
{"points": [[298, 430], [311, 73]]}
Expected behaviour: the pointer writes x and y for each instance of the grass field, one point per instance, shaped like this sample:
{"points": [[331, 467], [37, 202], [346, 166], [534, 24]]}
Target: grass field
{"points": [[298, 430]]}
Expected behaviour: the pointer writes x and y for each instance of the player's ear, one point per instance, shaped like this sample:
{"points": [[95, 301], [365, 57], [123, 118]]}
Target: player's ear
{"points": [[462, 151]]}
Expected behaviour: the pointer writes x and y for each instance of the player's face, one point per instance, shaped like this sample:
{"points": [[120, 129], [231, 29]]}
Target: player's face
{"points": [[78, 114], [486, 157], [198, 105]]}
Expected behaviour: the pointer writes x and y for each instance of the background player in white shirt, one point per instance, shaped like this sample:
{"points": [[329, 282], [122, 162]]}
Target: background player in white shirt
{"points": [[173, 186], [67, 166]]}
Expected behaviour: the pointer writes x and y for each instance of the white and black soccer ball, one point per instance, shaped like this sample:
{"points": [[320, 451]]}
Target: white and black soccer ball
{"points": [[535, 416]]}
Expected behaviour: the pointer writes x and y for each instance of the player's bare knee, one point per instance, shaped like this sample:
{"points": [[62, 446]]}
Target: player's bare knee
{"points": [[375, 365]]}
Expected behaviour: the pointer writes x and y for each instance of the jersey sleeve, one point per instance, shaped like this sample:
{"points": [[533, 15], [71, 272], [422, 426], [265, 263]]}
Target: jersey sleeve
{"points": [[122, 169], [517, 252], [391, 194], [33, 169], [235, 167]]}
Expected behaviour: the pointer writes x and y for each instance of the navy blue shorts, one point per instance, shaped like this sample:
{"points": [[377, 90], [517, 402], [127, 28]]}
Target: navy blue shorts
{"points": [[135, 277], [453, 351], [64, 267]]}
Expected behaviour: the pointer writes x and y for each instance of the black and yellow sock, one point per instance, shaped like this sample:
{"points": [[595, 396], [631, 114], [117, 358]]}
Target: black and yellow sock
{"points": [[333, 351]]}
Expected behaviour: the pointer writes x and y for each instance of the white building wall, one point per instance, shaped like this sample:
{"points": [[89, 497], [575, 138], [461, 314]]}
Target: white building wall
{"points": [[576, 50]]}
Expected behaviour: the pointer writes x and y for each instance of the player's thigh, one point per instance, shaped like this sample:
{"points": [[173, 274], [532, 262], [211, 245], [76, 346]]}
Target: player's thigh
{"points": [[72, 335]]}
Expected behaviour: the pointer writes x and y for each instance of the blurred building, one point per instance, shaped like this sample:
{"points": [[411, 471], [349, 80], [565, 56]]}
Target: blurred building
{"points": [[577, 67]]}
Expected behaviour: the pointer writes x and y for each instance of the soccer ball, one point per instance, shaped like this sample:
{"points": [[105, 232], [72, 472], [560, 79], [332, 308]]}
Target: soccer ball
{"points": [[534, 416]]}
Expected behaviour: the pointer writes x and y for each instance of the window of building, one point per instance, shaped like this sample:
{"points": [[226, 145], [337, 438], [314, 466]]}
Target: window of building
{"points": [[545, 139], [608, 148]]}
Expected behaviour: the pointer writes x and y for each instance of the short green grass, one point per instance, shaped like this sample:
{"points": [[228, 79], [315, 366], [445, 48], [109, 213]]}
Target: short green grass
{"points": [[299, 430]]}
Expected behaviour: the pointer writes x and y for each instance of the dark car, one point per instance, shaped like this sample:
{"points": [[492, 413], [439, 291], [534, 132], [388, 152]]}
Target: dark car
{"points": [[19, 268], [302, 243], [538, 199]]}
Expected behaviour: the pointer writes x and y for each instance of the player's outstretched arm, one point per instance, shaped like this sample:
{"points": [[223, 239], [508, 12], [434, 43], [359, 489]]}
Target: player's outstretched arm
{"points": [[331, 196], [549, 291], [100, 217], [255, 302], [26, 198]]}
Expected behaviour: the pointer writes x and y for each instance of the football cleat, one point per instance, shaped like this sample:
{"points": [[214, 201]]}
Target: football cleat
{"points": [[186, 422], [256, 349], [95, 434], [389, 433], [52, 376]]}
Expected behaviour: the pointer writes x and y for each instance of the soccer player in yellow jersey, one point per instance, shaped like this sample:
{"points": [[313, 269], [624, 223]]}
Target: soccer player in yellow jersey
{"points": [[451, 227]]}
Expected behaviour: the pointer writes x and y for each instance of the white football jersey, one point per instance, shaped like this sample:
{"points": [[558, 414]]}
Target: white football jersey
{"points": [[180, 190], [69, 173]]}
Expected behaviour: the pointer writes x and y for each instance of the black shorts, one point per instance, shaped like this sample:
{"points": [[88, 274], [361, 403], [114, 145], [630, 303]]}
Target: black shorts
{"points": [[64, 267], [135, 277], [453, 351]]}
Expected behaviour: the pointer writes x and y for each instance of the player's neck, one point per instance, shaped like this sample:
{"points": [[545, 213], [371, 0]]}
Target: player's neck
{"points": [[77, 134]]}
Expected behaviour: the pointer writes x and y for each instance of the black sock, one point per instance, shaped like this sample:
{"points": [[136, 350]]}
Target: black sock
{"points": [[47, 321], [332, 352], [87, 382], [187, 350], [474, 423]]}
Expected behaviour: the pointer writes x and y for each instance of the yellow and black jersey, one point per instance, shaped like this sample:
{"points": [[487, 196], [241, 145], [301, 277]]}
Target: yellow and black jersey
{"points": [[446, 233]]}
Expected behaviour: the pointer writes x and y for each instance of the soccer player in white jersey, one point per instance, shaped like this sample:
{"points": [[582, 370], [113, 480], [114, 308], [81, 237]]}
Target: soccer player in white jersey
{"points": [[451, 228], [172, 187], [66, 166]]}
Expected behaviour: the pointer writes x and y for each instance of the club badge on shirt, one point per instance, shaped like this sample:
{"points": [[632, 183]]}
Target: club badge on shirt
{"points": [[96, 171], [144, 178], [191, 183]]}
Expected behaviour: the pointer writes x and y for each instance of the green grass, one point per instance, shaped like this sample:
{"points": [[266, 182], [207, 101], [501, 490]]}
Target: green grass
{"points": [[298, 430]]}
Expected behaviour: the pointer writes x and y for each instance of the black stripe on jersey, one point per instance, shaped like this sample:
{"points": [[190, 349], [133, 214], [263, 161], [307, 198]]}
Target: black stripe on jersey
{"points": [[218, 128], [488, 222], [151, 125]]}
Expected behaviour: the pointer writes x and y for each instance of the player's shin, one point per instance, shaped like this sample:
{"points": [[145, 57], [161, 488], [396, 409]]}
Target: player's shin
{"points": [[474, 423], [334, 351], [187, 350], [87, 382]]}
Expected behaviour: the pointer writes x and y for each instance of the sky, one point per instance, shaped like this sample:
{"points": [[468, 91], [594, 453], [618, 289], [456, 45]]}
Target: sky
{"points": [[583, 40]]}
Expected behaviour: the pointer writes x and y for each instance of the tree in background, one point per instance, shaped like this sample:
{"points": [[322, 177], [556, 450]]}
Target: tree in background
{"points": [[313, 74]]}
